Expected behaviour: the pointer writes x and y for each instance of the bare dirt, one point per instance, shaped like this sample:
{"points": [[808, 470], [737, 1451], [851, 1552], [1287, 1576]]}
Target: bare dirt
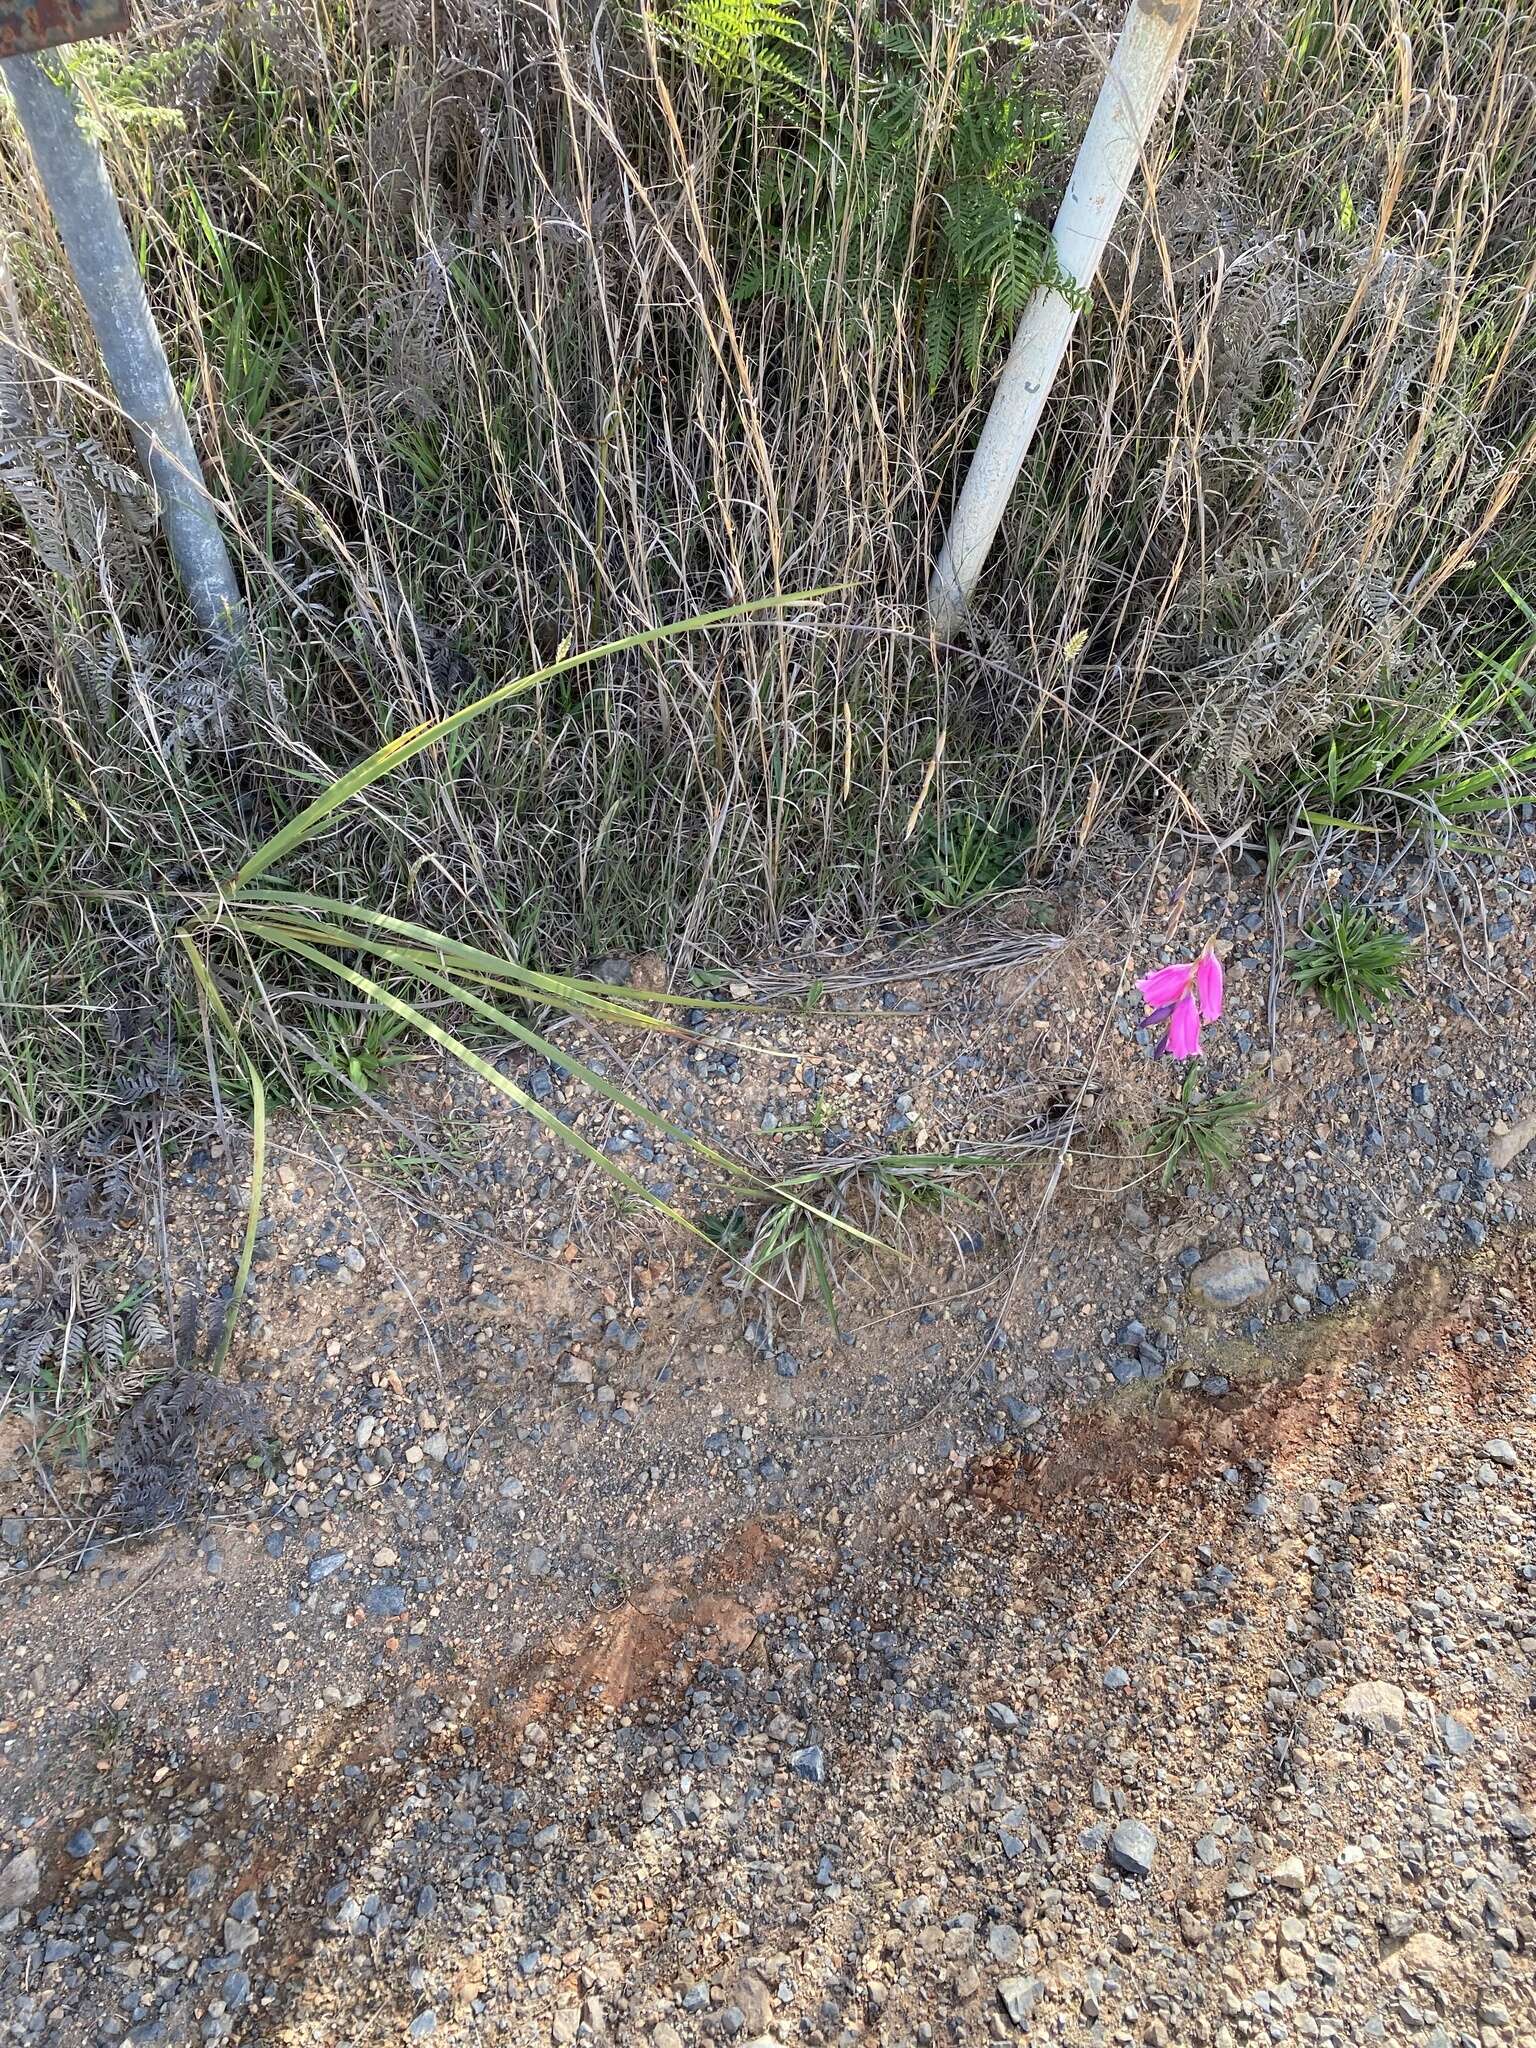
{"points": [[599, 1651], [1356, 1872]]}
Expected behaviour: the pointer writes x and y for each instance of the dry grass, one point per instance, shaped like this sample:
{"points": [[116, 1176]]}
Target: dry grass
{"points": [[451, 296]]}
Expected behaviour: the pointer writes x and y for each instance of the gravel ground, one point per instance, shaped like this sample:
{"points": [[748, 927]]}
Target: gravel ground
{"points": [[1119, 1628]]}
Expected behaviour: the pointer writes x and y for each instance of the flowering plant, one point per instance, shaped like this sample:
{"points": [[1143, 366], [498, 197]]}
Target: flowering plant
{"points": [[1185, 996]]}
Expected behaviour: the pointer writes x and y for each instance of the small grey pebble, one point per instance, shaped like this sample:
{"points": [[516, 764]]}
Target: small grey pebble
{"points": [[1307, 1275], [20, 1880], [1230, 1277], [1132, 1847], [1456, 1735], [240, 1936], [1017, 1996], [1004, 1943]]}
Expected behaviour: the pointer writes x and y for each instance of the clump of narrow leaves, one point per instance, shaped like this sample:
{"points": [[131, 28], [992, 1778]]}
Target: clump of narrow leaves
{"points": [[1351, 962], [1202, 1131]]}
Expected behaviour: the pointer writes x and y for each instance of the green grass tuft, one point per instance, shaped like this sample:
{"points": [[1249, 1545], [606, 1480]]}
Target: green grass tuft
{"points": [[1204, 1131], [1446, 764], [791, 1237], [1351, 962]]}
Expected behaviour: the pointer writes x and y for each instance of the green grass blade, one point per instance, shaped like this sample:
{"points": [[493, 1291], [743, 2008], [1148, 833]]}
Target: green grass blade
{"points": [[299, 941], [252, 1212], [816, 1252], [468, 963], [557, 984], [395, 753], [467, 1057], [1323, 821], [787, 1192]]}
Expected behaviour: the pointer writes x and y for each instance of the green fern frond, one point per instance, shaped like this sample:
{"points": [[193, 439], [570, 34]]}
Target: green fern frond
{"points": [[1026, 267], [941, 323], [894, 185], [738, 42], [984, 138], [980, 231], [975, 319]]}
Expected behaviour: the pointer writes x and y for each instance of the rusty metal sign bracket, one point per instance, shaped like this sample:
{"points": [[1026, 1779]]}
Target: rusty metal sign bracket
{"points": [[44, 24]]}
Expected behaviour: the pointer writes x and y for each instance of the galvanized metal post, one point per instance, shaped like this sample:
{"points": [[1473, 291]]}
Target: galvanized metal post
{"points": [[1138, 77], [90, 225]]}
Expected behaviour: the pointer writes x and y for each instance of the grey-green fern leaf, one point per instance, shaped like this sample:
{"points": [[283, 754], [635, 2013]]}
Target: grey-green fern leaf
{"points": [[941, 323]]}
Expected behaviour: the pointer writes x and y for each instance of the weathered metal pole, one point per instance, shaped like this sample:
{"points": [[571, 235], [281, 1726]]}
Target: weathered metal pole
{"points": [[85, 209], [1133, 91]]}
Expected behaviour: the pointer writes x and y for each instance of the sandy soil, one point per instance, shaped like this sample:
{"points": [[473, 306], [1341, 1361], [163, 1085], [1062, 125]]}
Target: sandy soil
{"points": [[594, 1650]]}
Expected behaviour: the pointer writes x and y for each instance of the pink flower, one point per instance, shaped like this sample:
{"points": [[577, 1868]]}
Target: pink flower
{"points": [[1183, 1040], [1186, 993], [1209, 983]]}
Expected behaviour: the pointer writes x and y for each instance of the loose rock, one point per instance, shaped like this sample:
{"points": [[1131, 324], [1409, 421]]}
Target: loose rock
{"points": [[1132, 1847], [1018, 1997], [19, 1881], [1229, 1278], [1376, 1704]]}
